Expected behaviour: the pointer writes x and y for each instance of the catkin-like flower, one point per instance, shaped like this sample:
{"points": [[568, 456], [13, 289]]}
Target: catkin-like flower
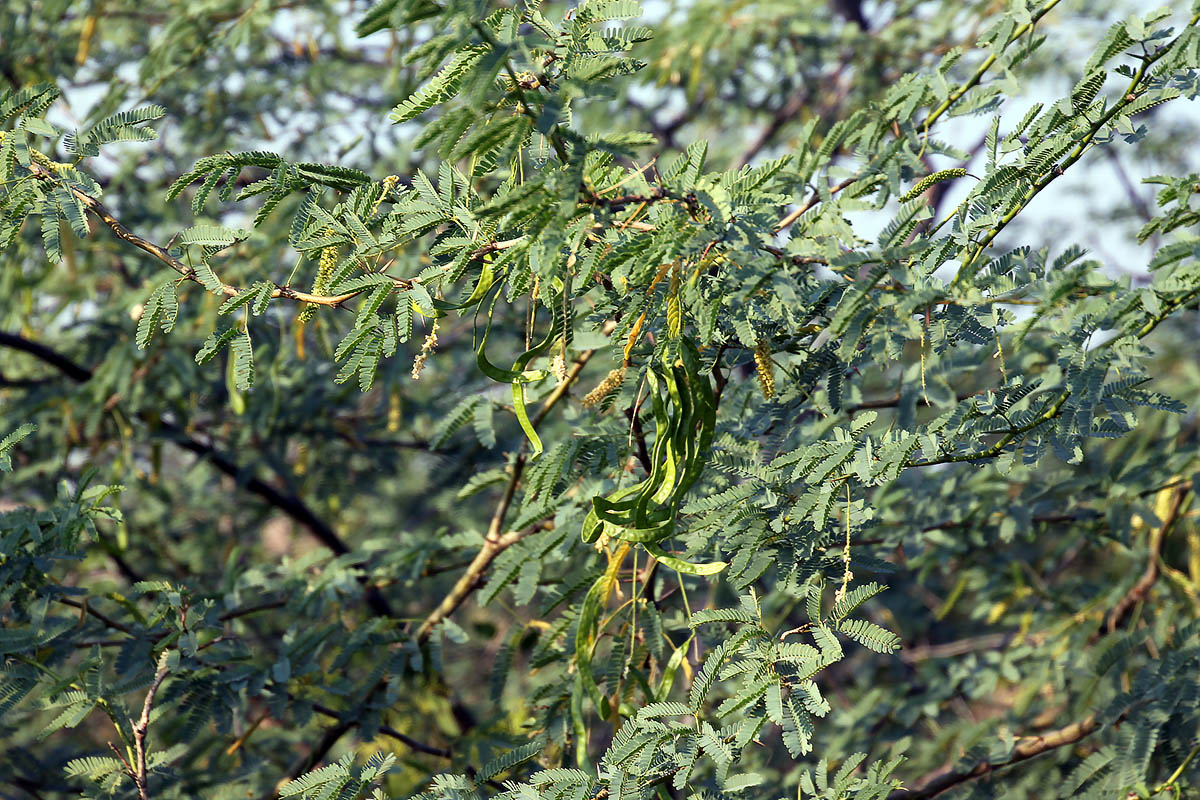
{"points": [[329, 256], [602, 541], [558, 367], [394, 409], [930, 180], [612, 381], [762, 365], [328, 260], [427, 347]]}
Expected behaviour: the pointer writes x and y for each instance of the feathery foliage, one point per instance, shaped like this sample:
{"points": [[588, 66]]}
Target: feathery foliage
{"points": [[588, 401]]}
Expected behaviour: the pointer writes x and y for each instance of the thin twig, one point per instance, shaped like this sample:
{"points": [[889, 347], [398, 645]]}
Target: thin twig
{"points": [[494, 544], [1139, 590], [894, 401], [162, 254], [387, 730], [937, 112], [247, 610], [812, 200], [142, 726], [107, 620], [972, 644], [1084, 144]]}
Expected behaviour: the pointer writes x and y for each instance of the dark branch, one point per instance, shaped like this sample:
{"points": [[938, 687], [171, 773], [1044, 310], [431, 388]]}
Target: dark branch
{"points": [[66, 366], [291, 505]]}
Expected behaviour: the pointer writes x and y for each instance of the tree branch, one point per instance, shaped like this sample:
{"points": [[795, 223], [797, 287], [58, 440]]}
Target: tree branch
{"points": [[894, 401], [87, 609], [812, 200], [142, 726], [1026, 748], [941, 109], [494, 544], [971, 644], [66, 366]]}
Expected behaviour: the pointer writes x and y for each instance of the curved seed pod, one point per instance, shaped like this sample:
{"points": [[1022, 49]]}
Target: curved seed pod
{"points": [[518, 376], [685, 421], [587, 632], [706, 414], [487, 279], [686, 567], [660, 461], [654, 532], [604, 510]]}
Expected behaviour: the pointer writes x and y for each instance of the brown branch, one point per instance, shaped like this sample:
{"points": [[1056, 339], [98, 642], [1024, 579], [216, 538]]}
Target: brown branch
{"points": [[972, 644], [162, 254], [333, 734], [248, 610], [1135, 199], [313, 757], [289, 504], [226, 617], [87, 645], [894, 400], [74, 371], [1036, 519], [495, 542], [812, 200], [1139, 590], [836, 83], [797, 260], [124, 762], [941, 109], [639, 437], [492, 247], [657, 194], [1026, 748], [790, 109]]}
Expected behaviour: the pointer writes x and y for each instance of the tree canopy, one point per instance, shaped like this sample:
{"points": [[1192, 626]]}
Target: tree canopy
{"points": [[535, 401]]}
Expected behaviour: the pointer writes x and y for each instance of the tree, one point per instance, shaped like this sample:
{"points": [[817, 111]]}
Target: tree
{"points": [[678, 407]]}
